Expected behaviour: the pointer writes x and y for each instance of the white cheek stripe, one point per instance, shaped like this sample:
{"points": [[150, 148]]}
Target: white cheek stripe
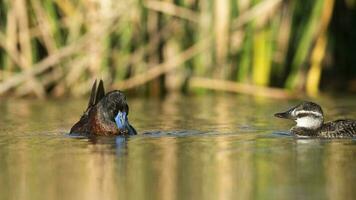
{"points": [[307, 112], [309, 122]]}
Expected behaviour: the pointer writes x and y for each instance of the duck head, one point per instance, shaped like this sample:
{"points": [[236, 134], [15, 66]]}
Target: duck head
{"points": [[107, 114], [113, 106], [307, 115]]}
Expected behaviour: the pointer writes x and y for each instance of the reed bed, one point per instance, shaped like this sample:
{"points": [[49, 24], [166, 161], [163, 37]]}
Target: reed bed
{"points": [[58, 47]]}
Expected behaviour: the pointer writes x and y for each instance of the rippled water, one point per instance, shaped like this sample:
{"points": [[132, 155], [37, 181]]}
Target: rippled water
{"points": [[206, 147]]}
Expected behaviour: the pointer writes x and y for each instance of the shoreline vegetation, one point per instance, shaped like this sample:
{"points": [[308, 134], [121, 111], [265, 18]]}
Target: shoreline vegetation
{"points": [[271, 48]]}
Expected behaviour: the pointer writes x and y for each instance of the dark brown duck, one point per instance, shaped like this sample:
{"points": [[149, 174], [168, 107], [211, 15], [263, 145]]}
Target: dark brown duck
{"points": [[106, 114], [310, 122]]}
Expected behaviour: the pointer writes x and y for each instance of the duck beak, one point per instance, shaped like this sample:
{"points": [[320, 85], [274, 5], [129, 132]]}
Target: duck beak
{"points": [[282, 115], [285, 115], [121, 120]]}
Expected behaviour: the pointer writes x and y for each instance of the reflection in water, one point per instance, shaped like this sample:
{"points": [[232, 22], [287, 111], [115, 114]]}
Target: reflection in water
{"points": [[340, 162], [219, 147]]}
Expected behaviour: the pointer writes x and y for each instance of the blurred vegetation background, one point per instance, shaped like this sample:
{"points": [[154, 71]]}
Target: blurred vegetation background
{"points": [[275, 48]]}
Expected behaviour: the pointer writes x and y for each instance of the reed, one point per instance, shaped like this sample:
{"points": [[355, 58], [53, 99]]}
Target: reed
{"points": [[56, 48]]}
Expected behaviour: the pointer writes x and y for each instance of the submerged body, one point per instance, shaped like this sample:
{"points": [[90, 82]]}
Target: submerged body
{"points": [[310, 123], [106, 114]]}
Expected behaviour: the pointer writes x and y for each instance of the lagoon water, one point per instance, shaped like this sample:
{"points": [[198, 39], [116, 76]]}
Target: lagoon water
{"points": [[200, 147]]}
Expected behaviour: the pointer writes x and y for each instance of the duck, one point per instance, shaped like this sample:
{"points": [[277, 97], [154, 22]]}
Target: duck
{"points": [[309, 117], [106, 114]]}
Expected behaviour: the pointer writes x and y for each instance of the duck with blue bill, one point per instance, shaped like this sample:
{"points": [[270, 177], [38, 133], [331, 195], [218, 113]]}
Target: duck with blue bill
{"points": [[106, 114]]}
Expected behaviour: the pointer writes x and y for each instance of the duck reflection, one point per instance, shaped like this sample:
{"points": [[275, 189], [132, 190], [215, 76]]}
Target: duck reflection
{"points": [[104, 144]]}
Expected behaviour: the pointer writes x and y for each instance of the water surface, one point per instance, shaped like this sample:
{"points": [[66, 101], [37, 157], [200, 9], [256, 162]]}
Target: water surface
{"points": [[206, 147]]}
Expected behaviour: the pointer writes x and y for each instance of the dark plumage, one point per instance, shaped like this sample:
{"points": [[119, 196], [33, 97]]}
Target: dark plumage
{"points": [[310, 122], [106, 114]]}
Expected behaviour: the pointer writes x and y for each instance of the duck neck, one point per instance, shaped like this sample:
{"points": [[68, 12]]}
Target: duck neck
{"points": [[305, 132]]}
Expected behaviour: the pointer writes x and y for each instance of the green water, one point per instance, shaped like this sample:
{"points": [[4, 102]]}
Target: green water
{"points": [[207, 147]]}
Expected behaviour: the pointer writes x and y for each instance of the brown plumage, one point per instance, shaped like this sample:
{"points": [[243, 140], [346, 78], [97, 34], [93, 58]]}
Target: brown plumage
{"points": [[99, 117]]}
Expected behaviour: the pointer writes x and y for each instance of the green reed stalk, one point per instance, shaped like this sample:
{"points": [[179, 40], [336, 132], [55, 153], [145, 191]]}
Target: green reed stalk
{"points": [[261, 57], [307, 34]]}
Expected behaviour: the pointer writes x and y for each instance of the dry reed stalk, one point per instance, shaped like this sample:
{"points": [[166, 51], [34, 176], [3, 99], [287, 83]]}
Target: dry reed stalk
{"points": [[54, 59], [23, 27], [163, 68], [230, 86], [172, 9], [41, 66], [138, 55], [44, 28], [203, 62], [154, 21], [8, 40], [222, 34], [283, 35], [24, 42], [243, 5], [98, 12], [8, 45], [266, 7]]}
